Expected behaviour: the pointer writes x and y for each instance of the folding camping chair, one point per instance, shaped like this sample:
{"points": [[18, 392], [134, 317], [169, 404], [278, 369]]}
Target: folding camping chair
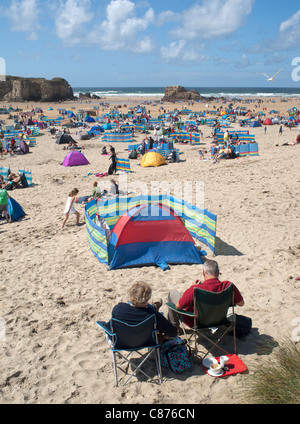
{"points": [[133, 338], [210, 318]]}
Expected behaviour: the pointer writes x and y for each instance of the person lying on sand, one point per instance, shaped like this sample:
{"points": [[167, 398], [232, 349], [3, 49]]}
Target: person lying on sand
{"points": [[13, 181], [291, 143]]}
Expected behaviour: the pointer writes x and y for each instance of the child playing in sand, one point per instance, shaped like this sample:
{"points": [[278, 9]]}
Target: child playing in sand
{"points": [[69, 208]]}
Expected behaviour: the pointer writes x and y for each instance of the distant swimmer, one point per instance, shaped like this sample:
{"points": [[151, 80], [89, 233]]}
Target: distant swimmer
{"points": [[270, 79]]}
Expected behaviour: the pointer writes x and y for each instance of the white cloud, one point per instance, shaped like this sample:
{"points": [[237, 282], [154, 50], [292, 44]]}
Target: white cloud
{"points": [[213, 19], [180, 51], [71, 15], [121, 29], [24, 17], [167, 16], [291, 22], [288, 37], [289, 32]]}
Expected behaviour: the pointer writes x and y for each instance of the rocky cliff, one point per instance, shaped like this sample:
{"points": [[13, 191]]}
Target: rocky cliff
{"points": [[176, 92], [19, 89]]}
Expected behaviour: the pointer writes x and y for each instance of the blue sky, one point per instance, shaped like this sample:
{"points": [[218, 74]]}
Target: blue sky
{"points": [[126, 43]]}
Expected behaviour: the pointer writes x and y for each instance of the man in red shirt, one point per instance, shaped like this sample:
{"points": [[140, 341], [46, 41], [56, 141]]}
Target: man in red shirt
{"points": [[211, 283]]}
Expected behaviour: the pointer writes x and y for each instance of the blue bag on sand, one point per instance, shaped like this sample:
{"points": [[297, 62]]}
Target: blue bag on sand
{"points": [[174, 355]]}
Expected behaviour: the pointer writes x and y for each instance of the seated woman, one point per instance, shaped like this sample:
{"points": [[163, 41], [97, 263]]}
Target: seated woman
{"points": [[96, 194], [138, 309]]}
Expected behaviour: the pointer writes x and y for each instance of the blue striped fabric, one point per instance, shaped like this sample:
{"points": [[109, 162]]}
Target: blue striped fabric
{"points": [[200, 223], [4, 172], [28, 176], [123, 165], [117, 138]]}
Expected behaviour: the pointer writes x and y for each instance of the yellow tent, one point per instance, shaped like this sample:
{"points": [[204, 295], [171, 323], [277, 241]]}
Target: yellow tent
{"points": [[153, 159]]}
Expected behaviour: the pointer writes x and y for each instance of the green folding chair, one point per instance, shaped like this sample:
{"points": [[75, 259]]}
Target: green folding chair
{"points": [[210, 318]]}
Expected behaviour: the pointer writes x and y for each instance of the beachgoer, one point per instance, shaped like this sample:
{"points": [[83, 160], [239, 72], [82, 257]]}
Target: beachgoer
{"points": [[211, 283], [226, 136], [291, 143], [113, 166], [138, 309], [143, 147], [70, 209], [96, 194], [133, 154], [12, 145], [4, 196], [280, 130], [114, 188]]}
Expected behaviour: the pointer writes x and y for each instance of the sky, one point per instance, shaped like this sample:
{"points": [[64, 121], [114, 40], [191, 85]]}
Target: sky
{"points": [[141, 43]]}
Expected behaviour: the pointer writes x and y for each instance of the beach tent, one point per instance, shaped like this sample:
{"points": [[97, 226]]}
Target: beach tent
{"points": [[152, 159], [268, 121], [75, 158], [97, 128], [107, 126], [82, 135], [42, 125], [255, 124], [71, 115], [151, 235], [89, 119], [24, 147], [50, 108], [65, 139], [28, 122], [66, 123], [14, 210]]}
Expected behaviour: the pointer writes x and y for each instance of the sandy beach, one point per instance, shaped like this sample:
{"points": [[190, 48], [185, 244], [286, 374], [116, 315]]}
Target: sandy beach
{"points": [[54, 290]]}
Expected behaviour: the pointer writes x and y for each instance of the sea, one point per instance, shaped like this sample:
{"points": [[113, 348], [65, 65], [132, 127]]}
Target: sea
{"points": [[158, 92]]}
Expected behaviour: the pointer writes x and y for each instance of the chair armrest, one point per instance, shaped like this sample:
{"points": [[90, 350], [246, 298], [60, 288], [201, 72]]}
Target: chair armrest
{"points": [[105, 327], [172, 306]]}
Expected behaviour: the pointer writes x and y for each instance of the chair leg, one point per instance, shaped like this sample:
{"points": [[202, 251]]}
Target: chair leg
{"points": [[234, 339], [115, 368], [158, 365], [138, 368]]}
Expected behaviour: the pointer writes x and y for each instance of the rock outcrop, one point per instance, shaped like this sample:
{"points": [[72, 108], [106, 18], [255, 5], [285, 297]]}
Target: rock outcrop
{"points": [[18, 89], [176, 93], [88, 96]]}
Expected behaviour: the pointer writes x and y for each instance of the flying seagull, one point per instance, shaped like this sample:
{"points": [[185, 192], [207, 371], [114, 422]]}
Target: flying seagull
{"points": [[270, 79]]}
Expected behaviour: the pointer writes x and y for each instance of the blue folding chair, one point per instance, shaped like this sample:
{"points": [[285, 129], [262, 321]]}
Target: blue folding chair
{"points": [[132, 338]]}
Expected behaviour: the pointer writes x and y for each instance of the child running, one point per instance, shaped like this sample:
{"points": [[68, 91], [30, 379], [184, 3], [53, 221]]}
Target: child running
{"points": [[69, 209]]}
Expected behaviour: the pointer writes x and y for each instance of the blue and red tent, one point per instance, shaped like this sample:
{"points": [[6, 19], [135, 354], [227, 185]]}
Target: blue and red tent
{"points": [[151, 235]]}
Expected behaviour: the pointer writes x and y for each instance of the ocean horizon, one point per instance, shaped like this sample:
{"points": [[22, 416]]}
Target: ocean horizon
{"points": [[230, 92]]}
